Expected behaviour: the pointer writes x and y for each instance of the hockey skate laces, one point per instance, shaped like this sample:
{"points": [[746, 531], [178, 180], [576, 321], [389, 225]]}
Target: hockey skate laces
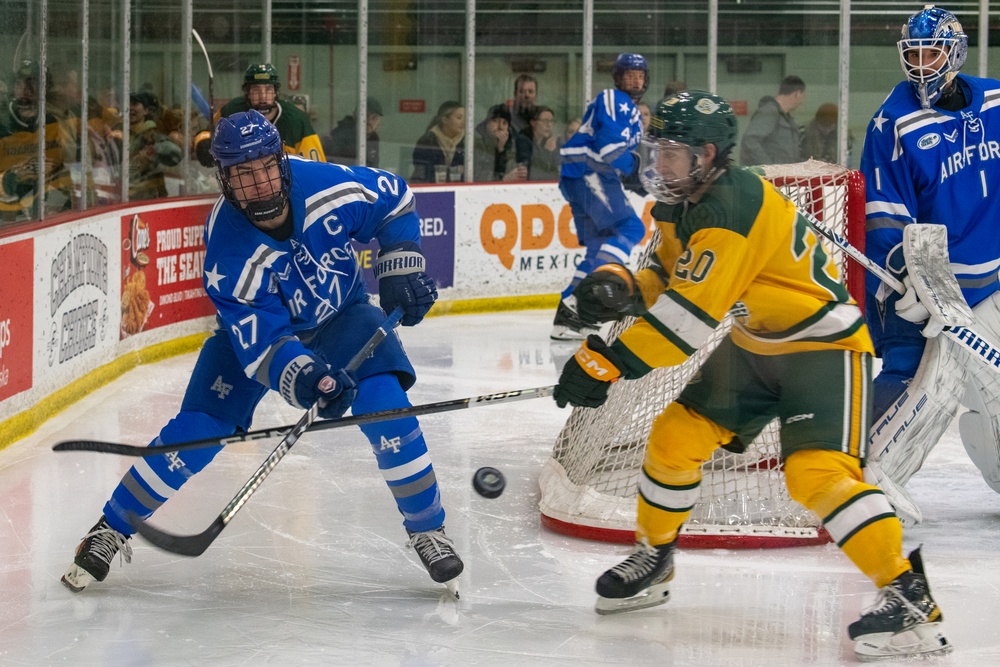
{"points": [[639, 564], [891, 598], [432, 545], [107, 541]]}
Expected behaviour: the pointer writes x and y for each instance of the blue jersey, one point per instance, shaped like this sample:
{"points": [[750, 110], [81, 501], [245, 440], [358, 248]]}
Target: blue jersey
{"points": [[942, 167], [610, 131], [271, 294]]}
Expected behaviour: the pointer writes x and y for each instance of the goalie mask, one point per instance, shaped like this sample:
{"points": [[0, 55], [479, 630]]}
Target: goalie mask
{"points": [[672, 163], [252, 166], [932, 50]]}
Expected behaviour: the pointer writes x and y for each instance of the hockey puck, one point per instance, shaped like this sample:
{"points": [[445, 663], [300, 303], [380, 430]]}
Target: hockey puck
{"points": [[488, 482]]}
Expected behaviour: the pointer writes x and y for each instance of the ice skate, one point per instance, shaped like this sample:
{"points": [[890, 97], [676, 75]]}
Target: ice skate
{"points": [[904, 621], [641, 580], [94, 556], [437, 553], [567, 324]]}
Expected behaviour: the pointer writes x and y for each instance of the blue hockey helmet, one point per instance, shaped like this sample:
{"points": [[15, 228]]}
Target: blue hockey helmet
{"points": [[244, 137], [631, 62], [932, 50]]}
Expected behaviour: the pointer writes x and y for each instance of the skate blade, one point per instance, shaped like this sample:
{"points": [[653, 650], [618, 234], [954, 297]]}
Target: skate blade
{"points": [[452, 587], [651, 597], [76, 578], [560, 332], [922, 640]]}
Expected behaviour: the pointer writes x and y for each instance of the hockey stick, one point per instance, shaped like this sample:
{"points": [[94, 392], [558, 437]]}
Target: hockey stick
{"points": [[322, 425], [977, 346], [211, 78], [195, 545]]}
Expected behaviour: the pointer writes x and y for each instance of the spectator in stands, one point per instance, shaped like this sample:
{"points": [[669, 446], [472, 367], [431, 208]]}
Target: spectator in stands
{"points": [[820, 138], [150, 150], [537, 148], [20, 171], [341, 145], [523, 108], [439, 155], [495, 156], [773, 136], [260, 92]]}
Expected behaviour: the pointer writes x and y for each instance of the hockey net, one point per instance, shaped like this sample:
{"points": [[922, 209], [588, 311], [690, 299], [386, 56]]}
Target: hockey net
{"points": [[589, 485]]}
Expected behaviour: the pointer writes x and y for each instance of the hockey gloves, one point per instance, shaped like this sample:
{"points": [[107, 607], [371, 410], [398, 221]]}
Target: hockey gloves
{"points": [[402, 282], [587, 375], [333, 391], [608, 293]]}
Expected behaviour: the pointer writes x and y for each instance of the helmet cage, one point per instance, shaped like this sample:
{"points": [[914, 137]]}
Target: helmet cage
{"points": [[929, 34], [242, 138], [263, 74], [670, 189]]}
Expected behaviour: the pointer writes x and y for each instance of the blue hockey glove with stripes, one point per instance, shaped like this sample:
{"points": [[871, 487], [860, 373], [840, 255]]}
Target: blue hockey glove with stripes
{"points": [[402, 282], [315, 382]]}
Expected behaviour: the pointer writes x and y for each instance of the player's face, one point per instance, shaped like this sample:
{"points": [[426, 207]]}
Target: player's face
{"points": [[261, 97], [646, 115], [633, 80], [926, 60], [257, 181], [674, 160]]}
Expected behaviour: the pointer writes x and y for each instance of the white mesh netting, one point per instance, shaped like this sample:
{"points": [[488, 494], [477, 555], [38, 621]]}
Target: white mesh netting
{"points": [[589, 485]]}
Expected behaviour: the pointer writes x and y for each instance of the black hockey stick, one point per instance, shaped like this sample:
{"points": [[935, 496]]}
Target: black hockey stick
{"points": [[195, 545], [322, 425]]}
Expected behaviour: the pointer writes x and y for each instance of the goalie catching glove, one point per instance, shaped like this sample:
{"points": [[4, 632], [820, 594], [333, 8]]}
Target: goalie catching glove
{"points": [[588, 374], [608, 294], [402, 282], [316, 383], [909, 306]]}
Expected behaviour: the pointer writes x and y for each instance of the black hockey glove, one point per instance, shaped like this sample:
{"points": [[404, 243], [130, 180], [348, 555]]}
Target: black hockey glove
{"points": [[588, 374], [402, 282], [334, 391], [608, 293], [203, 149]]}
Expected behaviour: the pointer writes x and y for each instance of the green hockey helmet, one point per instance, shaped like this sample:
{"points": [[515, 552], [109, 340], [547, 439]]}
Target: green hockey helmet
{"points": [[261, 73], [685, 123]]}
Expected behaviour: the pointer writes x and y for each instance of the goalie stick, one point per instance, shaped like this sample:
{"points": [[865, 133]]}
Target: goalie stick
{"points": [[195, 545], [956, 317], [322, 425]]}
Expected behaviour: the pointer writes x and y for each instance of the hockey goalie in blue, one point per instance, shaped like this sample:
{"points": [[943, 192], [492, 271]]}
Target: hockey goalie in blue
{"points": [[292, 310], [932, 155]]}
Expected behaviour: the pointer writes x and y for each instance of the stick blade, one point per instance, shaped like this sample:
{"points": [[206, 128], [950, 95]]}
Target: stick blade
{"points": [[100, 446], [184, 545]]}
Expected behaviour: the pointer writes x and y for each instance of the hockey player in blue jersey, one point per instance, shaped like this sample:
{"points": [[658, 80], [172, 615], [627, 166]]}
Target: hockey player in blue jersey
{"points": [[593, 162], [931, 156], [292, 310]]}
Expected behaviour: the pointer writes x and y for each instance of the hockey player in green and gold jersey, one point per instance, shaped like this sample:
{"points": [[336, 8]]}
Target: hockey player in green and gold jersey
{"points": [[260, 92], [799, 351]]}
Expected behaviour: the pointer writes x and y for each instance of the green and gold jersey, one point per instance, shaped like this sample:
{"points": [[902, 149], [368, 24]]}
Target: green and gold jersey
{"points": [[741, 246], [296, 130]]}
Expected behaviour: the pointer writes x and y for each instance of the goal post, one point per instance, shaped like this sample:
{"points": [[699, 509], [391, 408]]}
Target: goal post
{"points": [[589, 484]]}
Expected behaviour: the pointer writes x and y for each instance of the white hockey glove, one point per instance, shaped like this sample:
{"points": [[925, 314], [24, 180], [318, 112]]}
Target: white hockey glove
{"points": [[911, 309]]}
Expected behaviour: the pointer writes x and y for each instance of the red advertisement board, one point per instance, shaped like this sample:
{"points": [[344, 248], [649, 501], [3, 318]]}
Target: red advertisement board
{"points": [[17, 301], [162, 257]]}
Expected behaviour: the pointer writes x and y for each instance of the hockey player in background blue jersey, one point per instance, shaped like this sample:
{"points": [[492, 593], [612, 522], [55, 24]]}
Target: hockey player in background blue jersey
{"points": [[593, 162], [932, 155], [292, 310]]}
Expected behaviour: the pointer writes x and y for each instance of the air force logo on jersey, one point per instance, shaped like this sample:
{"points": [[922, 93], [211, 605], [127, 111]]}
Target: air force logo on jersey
{"points": [[929, 141]]}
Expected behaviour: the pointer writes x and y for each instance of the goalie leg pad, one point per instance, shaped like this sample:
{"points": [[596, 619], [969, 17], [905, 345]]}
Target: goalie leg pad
{"points": [[980, 427], [902, 437]]}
